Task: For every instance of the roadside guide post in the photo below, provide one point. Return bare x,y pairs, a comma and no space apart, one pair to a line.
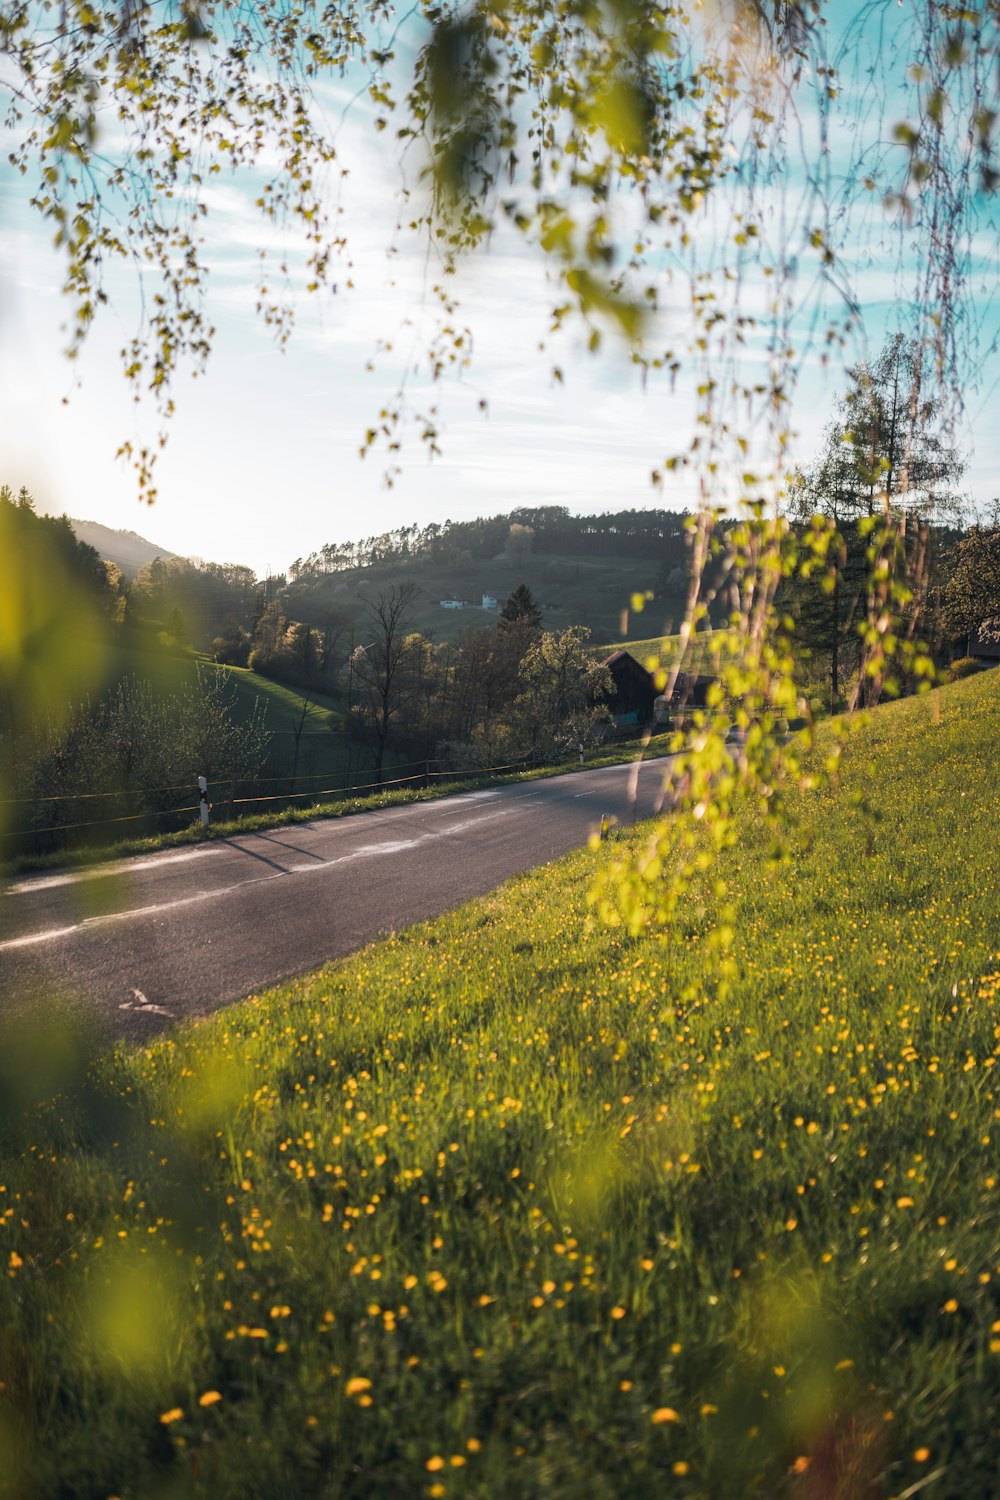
203,800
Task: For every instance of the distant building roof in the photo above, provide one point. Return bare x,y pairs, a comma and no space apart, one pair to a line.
985,640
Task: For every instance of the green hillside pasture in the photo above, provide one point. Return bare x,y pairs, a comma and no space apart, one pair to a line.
323,751
576,590
172,673
513,1205
665,651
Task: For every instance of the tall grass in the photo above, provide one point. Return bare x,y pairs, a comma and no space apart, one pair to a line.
513,1205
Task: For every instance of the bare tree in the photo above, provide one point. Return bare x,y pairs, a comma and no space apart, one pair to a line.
385,669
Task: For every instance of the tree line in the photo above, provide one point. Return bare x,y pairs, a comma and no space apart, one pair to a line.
658,534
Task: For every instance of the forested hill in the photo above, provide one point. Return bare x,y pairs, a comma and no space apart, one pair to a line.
581,569
126,549
547,530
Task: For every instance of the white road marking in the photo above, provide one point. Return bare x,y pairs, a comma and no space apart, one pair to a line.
365,851
391,846
39,937
96,872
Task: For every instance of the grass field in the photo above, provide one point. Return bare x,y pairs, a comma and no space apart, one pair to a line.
171,673
492,1210
664,651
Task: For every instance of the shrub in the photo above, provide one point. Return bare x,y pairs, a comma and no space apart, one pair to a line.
965,666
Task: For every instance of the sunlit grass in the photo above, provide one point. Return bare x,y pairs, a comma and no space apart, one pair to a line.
491,1210
665,651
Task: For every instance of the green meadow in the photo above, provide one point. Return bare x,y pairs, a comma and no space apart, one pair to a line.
665,651
322,747
513,1204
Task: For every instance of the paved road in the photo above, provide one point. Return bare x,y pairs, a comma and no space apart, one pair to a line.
149,940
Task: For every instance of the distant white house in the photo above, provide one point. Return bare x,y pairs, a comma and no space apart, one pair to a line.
489,602
452,603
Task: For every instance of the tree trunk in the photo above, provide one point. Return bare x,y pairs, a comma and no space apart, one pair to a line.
835,652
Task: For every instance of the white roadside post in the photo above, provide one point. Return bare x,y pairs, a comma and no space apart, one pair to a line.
203,804
581,752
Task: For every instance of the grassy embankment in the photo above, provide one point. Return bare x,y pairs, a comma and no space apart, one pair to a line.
373,799
490,1210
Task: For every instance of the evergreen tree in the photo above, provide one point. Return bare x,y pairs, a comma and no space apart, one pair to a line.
520,611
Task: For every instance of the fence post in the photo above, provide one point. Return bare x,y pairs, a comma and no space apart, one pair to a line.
203,800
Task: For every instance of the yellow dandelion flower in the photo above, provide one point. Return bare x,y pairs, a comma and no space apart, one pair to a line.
356,1385
173,1415
209,1398
434,1464
922,1455
664,1414
617,1313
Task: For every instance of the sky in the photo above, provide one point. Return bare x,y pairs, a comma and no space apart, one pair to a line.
263,463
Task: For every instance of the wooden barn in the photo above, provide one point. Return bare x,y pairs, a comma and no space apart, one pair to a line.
633,690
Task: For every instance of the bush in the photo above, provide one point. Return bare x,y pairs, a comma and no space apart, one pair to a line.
965,666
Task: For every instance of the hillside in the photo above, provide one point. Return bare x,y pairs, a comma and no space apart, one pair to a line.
664,650
512,1204
323,751
572,590
582,569
127,549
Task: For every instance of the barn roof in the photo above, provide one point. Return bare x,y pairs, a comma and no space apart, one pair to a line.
623,658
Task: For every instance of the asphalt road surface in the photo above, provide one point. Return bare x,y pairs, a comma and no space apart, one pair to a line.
147,941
